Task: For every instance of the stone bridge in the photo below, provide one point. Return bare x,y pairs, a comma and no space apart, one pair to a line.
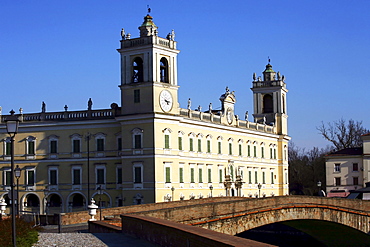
236,216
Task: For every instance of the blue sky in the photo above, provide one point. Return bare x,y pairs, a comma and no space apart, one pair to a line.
64,52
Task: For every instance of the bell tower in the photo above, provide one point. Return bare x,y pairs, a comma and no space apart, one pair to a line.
148,71
269,97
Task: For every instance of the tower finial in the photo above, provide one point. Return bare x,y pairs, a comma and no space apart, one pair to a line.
148,9
269,60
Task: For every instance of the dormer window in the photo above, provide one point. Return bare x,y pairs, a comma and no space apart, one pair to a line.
164,70
137,70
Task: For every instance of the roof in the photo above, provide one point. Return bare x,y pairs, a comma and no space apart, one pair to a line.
347,151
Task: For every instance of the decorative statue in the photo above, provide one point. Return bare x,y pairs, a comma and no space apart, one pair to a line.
210,108
237,117
123,34
128,36
278,75
199,108
227,90
189,103
264,120
173,35
89,104
246,116
254,77
43,107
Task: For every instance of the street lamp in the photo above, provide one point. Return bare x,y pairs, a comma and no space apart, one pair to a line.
319,186
100,192
173,192
17,172
211,188
259,189
12,129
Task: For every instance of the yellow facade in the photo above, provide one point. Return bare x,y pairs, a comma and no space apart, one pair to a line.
149,149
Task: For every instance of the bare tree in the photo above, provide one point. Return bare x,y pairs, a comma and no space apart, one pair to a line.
343,134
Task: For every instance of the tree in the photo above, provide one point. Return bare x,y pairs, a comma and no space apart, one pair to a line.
343,134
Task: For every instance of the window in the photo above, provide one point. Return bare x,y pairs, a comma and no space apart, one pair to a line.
119,174
76,176
180,143
336,167
275,153
53,146
137,70
7,177
355,180
164,70
30,177
230,149
137,96
208,146
250,177
271,153
181,174
255,151
168,174
199,145
137,141
355,167
209,175
53,176
119,143
262,152
100,175
191,145
76,146
337,181
166,141
137,138
240,149
220,177
249,150
31,145
191,174
219,148
100,144
8,147
263,177
272,177
200,175
138,173
255,177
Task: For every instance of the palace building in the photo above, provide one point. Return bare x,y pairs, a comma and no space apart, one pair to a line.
149,149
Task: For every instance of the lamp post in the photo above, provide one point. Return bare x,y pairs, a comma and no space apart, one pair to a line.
17,173
211,189
12,129
173,192
259,189
100,192
319,186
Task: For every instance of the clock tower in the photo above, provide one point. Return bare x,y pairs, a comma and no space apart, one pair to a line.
148,71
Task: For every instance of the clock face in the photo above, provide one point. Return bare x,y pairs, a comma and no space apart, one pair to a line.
229,115
166,100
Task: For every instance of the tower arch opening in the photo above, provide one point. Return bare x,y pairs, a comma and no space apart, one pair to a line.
164,70
137,70
268,103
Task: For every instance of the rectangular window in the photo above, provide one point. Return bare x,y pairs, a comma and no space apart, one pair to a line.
270,153
77,176
249,150
200,175
168,174
137,175
137,144
76,146
191,144
31,147
137,96
166,141
230,149
262,152
7,178
263,177
336,167
254,151
119,144
53,180
53,147
181,174
355,180
272,177
8,148
240,149
208,146
337,181
250,176
191,175
100,176
255,177
100,145
355,167
275,154
119,175
219,147
30,177
199,145
180,143
220,175
209,175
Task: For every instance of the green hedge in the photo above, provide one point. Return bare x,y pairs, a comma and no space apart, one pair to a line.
27,235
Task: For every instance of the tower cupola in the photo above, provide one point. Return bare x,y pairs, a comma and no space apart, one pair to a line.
269,74
148,28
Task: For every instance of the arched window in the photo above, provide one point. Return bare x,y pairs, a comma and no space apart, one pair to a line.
137,70
164,70
267,104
